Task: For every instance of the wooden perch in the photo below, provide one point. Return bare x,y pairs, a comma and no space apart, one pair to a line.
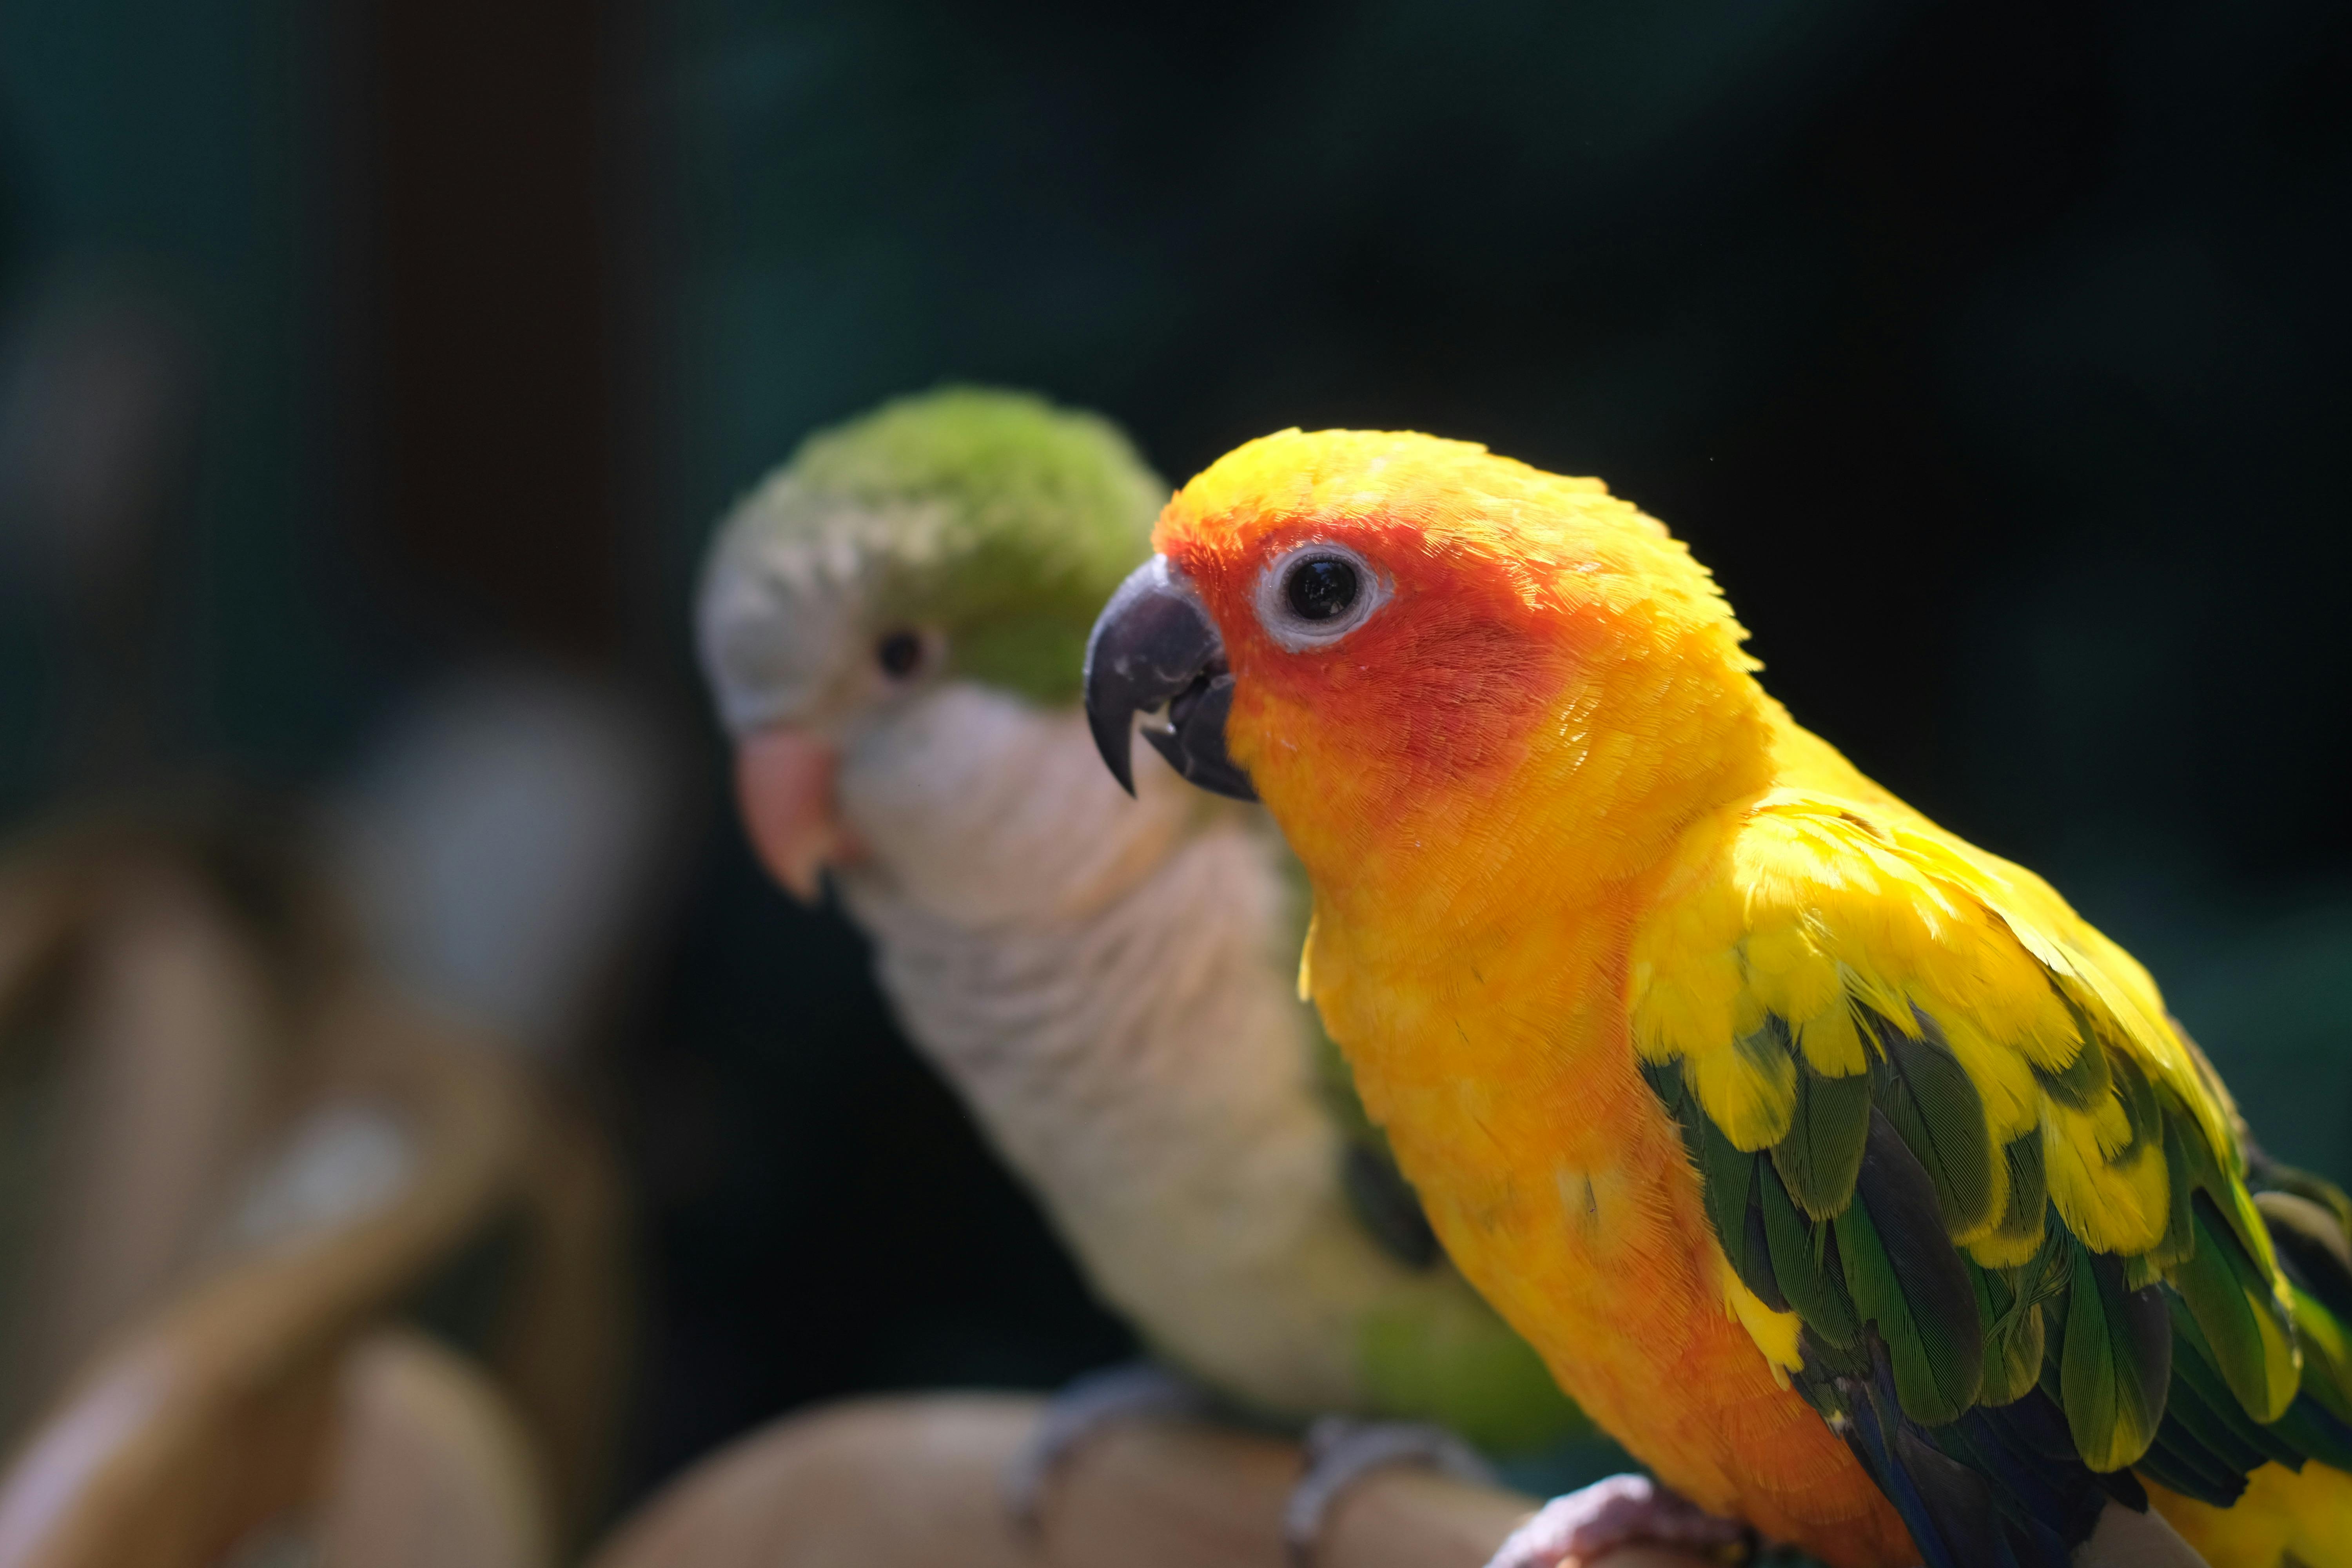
882,1483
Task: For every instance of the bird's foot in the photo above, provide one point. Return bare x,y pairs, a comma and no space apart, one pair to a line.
1620,1511
1077,1413
1341,1451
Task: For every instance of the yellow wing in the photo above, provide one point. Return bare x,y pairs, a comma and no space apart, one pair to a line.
1955,1150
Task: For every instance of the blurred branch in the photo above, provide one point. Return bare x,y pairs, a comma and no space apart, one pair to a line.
432,1469
561,1345
211,1419
884,1482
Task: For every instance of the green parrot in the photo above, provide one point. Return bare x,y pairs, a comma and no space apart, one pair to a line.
893,625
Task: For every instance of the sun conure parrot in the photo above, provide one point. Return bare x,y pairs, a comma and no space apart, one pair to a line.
892,623
1836,1167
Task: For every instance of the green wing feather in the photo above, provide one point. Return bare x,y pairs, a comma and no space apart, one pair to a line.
1909,1282
1822,1154
2003,1169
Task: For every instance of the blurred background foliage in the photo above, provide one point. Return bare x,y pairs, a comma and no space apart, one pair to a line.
1993,355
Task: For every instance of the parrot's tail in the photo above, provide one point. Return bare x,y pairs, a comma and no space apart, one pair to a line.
2288,1516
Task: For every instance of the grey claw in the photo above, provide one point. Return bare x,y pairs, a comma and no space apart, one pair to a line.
1079,1410
1341,1451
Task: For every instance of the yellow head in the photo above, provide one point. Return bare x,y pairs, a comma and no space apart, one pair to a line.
1445,666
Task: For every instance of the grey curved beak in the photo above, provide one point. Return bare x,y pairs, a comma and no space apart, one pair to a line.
1155,644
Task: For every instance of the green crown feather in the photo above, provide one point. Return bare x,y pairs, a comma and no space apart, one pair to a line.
992,515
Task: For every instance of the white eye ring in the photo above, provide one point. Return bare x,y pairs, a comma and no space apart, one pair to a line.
1277,608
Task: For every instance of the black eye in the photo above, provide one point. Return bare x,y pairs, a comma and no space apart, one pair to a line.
1321,587
898,654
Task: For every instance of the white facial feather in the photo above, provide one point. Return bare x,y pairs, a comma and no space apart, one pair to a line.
986,810
780,617
1108,983
773,643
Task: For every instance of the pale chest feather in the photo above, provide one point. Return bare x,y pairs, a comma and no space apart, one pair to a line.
1107,984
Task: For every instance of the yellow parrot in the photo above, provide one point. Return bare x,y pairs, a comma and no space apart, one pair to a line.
1837,1168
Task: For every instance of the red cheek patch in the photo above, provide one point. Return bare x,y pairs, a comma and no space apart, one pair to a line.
1442,683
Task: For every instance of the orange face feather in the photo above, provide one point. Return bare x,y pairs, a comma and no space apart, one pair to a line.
1521,605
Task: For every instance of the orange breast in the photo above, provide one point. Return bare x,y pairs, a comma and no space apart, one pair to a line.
1561,1189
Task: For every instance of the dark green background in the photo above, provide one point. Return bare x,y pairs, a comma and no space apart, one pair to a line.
1994,354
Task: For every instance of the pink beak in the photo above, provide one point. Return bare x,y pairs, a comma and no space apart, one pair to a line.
784,788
